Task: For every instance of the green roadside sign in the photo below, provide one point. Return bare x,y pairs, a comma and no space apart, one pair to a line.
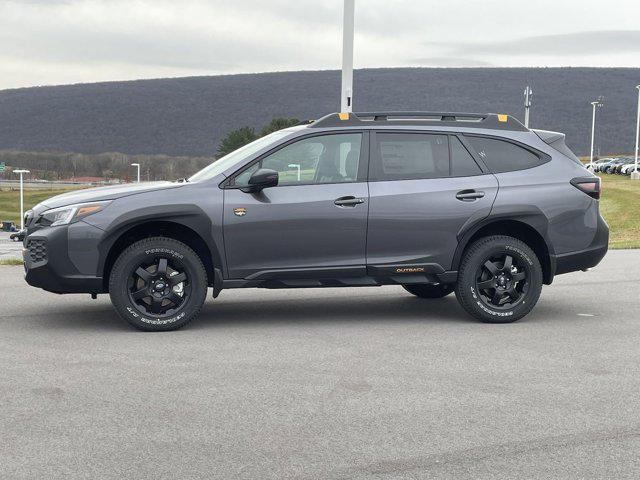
2,165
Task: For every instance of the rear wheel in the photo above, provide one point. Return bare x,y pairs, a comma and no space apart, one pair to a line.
439,290
500,279
158,284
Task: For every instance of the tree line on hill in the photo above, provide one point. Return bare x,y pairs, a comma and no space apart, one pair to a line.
117,166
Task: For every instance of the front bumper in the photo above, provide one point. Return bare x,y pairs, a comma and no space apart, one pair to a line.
50,264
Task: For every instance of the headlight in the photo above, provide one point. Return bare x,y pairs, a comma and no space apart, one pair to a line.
70,214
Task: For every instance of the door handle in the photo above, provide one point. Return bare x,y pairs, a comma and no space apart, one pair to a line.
349,201
469,195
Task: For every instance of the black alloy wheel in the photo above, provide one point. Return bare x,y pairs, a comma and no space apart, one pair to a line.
502,281
159,288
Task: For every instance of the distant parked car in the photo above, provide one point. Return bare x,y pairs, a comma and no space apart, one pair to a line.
610,166
617,167
597,164
628,168
18,236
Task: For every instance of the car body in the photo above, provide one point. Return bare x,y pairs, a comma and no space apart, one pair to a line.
408,198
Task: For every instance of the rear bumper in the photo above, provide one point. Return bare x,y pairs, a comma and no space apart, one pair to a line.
583,259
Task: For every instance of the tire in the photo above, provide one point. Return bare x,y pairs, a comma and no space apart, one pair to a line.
439,290
511,287
158,284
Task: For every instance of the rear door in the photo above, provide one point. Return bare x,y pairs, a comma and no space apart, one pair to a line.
423,188
313,223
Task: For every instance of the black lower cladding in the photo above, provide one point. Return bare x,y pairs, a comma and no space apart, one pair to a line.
350,276
47,264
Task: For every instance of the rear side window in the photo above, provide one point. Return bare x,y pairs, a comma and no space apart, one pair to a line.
501,156
462,163
408,156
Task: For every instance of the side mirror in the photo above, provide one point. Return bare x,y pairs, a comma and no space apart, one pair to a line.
262,178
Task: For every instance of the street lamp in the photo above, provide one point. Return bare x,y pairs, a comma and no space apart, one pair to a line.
346,103
528,97
598,103
295,165
636,175
138,166
21,172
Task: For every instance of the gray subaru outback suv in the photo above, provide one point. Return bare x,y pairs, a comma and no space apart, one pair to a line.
435,202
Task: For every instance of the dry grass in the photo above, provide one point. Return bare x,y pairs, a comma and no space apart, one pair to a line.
620,207
10,201
10,261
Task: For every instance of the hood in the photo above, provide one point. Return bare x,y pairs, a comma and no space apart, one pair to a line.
105,193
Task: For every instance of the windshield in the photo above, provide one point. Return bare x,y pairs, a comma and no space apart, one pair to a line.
229,160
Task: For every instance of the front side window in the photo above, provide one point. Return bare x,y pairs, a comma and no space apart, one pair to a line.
314,160
408,156
239,155
501,156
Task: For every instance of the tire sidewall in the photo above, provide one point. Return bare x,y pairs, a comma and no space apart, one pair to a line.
145,251
469,296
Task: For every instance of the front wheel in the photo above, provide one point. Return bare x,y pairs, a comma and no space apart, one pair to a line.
158,284
499,280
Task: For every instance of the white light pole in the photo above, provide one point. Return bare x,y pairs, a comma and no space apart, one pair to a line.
346,104
138,166
295,165
598,103
21,172
636,175
528,97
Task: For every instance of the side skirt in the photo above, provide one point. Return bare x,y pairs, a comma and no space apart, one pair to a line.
355,276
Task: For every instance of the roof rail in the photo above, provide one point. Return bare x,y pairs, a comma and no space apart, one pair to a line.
446,119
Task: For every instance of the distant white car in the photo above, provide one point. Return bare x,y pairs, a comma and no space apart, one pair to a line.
628,168
597,164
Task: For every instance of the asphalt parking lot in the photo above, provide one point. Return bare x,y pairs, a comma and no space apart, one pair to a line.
323,384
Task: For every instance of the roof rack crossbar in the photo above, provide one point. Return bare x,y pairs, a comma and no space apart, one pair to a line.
442,115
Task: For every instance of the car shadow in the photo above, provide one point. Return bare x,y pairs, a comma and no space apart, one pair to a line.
230,309
340,309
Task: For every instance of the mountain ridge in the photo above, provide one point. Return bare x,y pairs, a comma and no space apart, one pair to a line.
190,115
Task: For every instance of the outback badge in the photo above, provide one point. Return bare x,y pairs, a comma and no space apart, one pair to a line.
409,269
240,211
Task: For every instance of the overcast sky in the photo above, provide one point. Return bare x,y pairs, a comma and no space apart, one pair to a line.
46,42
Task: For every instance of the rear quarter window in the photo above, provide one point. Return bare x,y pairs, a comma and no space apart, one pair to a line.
501,156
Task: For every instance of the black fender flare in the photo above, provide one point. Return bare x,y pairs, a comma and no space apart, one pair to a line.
528,215
187,215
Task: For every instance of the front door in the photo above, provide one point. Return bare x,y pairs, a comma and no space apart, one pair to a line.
424,188
314,221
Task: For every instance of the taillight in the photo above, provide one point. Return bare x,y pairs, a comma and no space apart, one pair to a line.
588,185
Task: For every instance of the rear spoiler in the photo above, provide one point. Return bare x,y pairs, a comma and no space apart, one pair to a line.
556,140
